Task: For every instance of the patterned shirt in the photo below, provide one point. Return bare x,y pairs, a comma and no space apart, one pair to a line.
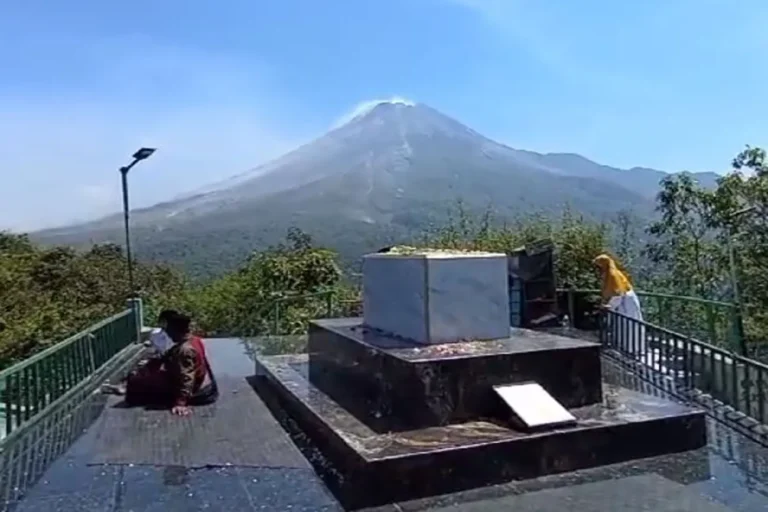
186,367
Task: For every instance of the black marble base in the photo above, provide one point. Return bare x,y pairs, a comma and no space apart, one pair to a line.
383,468
401,385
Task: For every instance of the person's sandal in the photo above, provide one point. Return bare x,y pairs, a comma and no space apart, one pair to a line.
113,389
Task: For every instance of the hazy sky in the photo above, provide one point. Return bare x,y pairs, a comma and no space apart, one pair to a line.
222,86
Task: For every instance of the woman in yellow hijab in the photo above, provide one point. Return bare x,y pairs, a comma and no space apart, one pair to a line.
619,296
617,290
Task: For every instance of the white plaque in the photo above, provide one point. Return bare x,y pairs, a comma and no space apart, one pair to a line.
533,406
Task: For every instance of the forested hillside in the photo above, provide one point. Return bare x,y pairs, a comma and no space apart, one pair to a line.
49,293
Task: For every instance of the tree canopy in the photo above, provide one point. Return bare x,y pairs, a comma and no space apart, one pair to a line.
690,244
49,294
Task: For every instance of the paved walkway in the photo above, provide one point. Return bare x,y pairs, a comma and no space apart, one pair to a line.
731,474
285,481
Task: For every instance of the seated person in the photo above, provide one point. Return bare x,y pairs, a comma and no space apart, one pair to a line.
158,340
179,378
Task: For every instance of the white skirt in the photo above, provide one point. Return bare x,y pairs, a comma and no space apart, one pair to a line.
629,338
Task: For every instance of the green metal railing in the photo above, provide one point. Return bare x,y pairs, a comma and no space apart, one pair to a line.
706,320
291,313
28,388
696,368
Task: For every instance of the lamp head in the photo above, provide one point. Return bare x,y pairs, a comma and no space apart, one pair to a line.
143,153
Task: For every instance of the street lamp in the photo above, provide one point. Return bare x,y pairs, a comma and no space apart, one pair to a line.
734,278
138,156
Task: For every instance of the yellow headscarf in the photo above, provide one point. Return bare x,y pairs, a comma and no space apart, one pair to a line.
615,282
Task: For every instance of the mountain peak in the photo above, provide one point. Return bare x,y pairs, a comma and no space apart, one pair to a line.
389,106
401,118
386,172
369,107
395,102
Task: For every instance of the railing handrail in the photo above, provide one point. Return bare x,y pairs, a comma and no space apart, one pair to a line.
716,332
687,298
60,345
41,414
309,295
646,323
33,386
640,293
695,341
716,378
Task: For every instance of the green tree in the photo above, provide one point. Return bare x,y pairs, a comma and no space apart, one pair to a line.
691,238
577,241
271,287
50,294
685,248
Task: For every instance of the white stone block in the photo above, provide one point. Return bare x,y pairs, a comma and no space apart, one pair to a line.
436,297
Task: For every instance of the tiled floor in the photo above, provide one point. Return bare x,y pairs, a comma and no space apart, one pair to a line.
731,474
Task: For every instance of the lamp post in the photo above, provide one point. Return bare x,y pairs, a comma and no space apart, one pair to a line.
734,276
138,156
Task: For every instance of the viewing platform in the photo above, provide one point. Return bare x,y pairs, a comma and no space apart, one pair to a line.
68,447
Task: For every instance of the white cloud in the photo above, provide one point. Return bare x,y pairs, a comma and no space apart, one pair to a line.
366,106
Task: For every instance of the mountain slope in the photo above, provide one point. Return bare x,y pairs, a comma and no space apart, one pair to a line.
639,179
381,177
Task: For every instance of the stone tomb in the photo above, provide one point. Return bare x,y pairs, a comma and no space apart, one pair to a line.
437,297
403,385
401,418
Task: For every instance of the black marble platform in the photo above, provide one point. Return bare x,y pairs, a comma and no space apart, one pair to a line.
402,385
380,468
731,471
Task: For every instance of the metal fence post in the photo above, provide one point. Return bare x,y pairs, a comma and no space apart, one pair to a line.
687,363
137,307
602,322
737,326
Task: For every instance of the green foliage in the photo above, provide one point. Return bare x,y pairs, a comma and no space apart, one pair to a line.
692,237
577,241
244,302
49,294
60,291
685,247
